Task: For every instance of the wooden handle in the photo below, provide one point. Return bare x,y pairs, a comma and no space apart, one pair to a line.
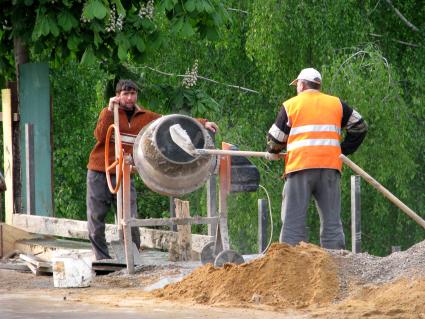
234,153
383,190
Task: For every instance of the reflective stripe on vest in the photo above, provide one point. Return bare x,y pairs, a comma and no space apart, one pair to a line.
314,128
314,138
312,142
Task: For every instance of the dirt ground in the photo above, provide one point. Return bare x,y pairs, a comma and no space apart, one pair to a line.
304,281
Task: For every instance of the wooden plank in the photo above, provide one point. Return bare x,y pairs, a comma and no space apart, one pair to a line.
195,220
13,266
46,247
106,267
53,226
36,261
69,228
8,153
11,235
39,271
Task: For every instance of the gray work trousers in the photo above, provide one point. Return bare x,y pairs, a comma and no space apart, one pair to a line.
99,200
324,185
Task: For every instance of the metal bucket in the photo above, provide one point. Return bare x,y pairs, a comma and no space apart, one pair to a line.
163,166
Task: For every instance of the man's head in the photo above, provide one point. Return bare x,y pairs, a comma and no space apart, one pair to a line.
308,79
126,91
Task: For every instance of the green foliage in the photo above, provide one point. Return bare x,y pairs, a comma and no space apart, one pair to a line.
76,105
286,36
355,77
179,99
93,31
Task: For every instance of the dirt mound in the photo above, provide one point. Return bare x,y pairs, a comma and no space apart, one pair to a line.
286,277
400,299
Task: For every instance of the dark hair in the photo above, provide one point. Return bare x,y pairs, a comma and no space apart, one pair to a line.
312,85
125,85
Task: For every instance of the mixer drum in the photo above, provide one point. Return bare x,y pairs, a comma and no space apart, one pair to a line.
163,166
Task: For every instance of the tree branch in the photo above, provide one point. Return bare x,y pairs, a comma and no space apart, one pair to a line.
397,41
238,10
401,16
203,78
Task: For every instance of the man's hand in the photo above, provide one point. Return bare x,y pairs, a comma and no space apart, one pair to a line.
112,101
272,156
211,126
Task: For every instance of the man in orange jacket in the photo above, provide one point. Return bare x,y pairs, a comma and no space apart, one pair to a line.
132,118
309,127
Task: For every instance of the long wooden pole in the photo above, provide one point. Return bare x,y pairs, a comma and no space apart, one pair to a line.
383,190
204,151
8,154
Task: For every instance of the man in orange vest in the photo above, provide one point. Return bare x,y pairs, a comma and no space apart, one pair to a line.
309,127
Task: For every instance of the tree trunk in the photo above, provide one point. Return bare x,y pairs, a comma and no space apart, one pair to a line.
20,52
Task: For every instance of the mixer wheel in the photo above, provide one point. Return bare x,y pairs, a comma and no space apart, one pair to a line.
118,162
207,254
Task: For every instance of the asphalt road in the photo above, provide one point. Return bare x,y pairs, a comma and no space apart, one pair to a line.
26,306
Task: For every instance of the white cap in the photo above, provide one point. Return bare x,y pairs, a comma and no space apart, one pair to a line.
308,74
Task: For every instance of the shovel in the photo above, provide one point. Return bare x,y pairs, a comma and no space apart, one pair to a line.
183,140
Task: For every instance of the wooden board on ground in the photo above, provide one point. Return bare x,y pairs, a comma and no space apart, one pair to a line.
45,247
37,265
9,235
69,228
102,267
12,265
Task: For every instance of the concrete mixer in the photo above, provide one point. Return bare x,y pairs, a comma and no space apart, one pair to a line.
167,169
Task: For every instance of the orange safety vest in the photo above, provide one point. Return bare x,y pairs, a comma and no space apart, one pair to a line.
314,138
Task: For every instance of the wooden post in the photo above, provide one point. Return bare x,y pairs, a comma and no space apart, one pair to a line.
8,154
262,225
383,190
29,168
184,232
212,203
172,212
356,233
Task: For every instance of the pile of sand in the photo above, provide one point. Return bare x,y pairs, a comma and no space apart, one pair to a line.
286,277
401,299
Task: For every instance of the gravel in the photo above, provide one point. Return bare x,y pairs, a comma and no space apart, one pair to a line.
366,269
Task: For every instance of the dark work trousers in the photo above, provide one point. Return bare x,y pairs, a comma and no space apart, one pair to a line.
325,186
99,200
